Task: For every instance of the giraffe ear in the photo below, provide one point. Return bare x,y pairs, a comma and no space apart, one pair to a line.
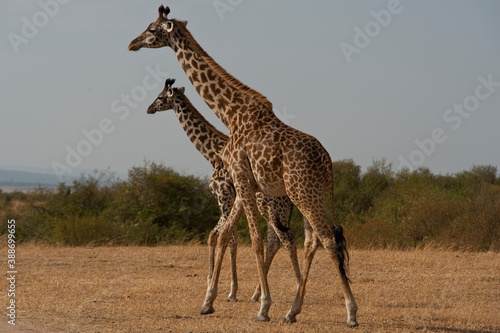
170,26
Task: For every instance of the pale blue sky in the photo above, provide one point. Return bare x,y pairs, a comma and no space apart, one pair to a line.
73,74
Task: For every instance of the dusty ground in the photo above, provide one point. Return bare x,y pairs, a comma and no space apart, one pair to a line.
139,289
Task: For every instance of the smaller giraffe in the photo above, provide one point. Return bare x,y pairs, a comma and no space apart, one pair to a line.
210,142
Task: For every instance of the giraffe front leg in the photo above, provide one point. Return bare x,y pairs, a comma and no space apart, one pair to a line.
212,243
233,249
222,243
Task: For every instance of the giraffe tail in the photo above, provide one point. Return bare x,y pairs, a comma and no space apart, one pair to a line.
340,243
342,254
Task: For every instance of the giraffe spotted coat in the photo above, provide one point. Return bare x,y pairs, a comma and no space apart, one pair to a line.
262,155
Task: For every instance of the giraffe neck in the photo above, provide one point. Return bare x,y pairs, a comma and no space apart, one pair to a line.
204,136
225,95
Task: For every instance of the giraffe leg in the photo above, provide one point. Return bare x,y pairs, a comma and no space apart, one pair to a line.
311,244
273,245
246,193
317,219
350,303
221,186
290,245
233,248
277,211
254,226
212,242
222,243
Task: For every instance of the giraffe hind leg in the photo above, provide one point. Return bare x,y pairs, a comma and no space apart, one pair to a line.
265,300
319,223
313,210
278,212
272,247
311,244
249,201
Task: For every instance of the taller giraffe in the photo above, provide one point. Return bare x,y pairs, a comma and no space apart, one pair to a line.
262,155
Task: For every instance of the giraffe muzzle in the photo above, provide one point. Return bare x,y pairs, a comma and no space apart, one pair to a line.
151,110
134,45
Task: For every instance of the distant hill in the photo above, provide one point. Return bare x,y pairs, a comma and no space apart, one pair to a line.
12,176
12,180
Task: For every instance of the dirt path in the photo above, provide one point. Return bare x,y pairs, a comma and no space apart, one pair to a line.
138,289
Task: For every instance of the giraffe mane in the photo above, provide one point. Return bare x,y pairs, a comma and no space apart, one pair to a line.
205,121
237,84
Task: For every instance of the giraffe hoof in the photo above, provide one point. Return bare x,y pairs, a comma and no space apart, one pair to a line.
352,324
208,310
262,318
254,299
232,299
289,320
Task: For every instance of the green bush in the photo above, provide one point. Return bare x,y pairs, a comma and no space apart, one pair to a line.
414,209
182,207
156,205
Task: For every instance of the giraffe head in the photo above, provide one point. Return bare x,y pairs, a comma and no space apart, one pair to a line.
159,33
168,98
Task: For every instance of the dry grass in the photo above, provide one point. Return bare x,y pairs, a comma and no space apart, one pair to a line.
161,289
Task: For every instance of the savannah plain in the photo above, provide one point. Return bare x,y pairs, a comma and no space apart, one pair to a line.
161,289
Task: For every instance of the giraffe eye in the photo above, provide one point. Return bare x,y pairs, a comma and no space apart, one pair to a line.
170,92
152,28
170,26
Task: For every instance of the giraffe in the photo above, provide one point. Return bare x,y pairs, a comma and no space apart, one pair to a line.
210,142
262,155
